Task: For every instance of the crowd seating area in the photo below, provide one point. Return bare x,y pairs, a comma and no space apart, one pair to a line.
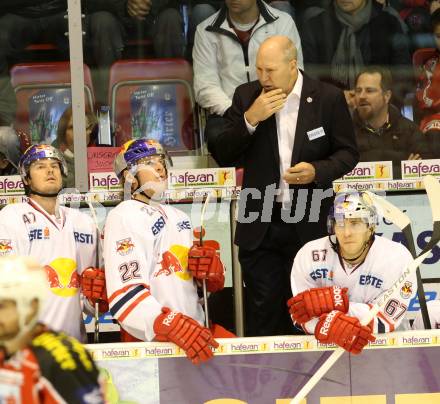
148,86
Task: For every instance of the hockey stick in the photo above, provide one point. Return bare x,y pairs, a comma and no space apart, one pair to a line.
403,222
432,187
205,291
98,231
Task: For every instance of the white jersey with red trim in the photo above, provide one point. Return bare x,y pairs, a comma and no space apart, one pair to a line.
65,245
146,259
434,316
318,265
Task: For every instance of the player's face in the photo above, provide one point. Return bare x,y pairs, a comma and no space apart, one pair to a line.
370,99
437,36
275,71
9,325
151,170
352,234
45,176
350,6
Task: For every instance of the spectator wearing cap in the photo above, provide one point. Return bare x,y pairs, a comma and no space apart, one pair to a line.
382,133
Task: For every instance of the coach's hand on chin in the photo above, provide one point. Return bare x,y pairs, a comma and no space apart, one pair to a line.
265,105
300,174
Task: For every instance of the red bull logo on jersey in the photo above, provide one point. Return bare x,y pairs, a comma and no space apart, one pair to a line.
62,276
174,261
125,246
5,247
406,290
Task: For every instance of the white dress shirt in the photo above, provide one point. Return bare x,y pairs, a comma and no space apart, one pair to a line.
286,119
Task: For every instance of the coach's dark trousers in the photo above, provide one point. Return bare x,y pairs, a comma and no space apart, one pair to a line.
266,274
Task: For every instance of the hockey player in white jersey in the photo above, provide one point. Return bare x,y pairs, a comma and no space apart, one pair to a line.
151,292
61,239
336,279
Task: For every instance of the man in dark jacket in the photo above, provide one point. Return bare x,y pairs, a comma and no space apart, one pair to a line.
382,133
293,136
348,35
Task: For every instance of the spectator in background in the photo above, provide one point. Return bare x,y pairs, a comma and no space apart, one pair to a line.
305,9
161,21
382,133
24,22
225,50
203,9
348,35
283,5
430,126
428,83
64,141
389,8
415,14
9,150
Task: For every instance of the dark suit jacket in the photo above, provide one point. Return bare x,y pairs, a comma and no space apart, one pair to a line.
332,155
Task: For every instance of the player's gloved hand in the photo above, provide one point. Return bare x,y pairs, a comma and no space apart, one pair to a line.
204,263
196,340
345,331
93,287
316,301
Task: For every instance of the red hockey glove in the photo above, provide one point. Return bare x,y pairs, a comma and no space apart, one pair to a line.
93,287
345,331
314,302
204,263
196,340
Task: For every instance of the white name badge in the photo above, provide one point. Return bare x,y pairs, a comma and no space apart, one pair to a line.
316,133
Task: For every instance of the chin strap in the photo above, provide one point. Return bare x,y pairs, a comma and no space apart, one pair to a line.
336,248
44,195
146,185
366,245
